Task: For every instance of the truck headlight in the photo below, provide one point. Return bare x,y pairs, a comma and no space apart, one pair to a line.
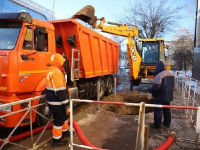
6,108
3,119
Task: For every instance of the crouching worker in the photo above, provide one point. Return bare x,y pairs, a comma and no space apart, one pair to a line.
57,98
162,89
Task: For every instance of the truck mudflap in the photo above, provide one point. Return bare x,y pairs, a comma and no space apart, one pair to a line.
73,93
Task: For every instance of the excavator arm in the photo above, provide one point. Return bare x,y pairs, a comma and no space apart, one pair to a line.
86,14
129,33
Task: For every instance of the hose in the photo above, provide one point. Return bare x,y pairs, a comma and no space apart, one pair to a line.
28,133
77,129
81,136
167,143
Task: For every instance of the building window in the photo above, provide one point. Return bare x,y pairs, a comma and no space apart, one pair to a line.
7,9
1,7
15,7
7,3
9,6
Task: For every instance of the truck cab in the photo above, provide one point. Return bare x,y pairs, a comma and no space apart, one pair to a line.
25,53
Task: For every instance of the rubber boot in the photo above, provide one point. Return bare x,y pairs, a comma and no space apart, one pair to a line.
59,143
65,134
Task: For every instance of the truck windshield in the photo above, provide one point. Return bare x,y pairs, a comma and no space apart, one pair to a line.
9,32
150,52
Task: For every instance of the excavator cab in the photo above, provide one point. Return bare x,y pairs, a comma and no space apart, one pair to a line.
151,51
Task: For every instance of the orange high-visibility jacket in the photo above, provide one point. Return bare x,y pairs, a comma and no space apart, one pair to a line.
56,85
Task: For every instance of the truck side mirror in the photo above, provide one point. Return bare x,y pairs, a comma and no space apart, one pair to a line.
40,30
40,38
71,40
59,41
40,43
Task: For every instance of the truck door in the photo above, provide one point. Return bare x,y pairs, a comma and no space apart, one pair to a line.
32,64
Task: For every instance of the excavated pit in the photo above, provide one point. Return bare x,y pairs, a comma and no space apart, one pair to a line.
128,98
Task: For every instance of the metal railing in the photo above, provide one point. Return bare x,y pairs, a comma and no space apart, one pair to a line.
30,109
189,88
142,131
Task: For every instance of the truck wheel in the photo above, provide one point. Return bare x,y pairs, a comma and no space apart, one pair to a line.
109,88
102,88
43,110
136,82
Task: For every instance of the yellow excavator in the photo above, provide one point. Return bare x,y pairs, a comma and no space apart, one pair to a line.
142,62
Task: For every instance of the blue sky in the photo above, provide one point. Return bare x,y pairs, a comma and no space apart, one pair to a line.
65,8
108,8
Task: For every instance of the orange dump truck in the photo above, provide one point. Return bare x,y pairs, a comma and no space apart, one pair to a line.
26,45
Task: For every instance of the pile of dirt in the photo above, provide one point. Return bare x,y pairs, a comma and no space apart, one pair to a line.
127,97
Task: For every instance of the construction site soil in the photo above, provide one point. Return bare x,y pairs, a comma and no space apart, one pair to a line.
114,127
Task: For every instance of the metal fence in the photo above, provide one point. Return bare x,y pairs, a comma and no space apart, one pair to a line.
189,88
28,111
142,131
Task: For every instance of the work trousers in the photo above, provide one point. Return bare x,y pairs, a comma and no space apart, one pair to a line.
60,124
158,115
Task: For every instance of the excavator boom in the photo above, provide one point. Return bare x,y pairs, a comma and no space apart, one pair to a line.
137,70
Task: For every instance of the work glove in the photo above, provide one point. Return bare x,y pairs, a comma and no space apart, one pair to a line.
68,111
150,96
68,92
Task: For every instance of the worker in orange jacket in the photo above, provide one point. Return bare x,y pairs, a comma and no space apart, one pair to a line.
58,100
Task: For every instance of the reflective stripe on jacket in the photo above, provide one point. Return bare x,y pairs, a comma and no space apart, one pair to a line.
163,84
56,86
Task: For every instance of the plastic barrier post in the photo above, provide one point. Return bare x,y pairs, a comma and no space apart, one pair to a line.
198,121
146,137
71,124
140,131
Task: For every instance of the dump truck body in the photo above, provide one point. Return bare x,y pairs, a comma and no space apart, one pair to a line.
98,54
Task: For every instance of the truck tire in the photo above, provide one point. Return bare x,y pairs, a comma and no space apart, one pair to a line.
44,110
102,88
109,88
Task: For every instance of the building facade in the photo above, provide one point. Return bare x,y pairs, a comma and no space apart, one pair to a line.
36,10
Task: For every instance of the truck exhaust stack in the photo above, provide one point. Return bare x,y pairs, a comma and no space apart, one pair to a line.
86,14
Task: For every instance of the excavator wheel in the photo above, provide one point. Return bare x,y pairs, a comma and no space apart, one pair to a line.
136,82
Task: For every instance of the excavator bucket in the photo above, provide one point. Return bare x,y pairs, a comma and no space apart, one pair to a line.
86,14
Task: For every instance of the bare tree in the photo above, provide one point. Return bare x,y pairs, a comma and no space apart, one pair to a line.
183,49
153,18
